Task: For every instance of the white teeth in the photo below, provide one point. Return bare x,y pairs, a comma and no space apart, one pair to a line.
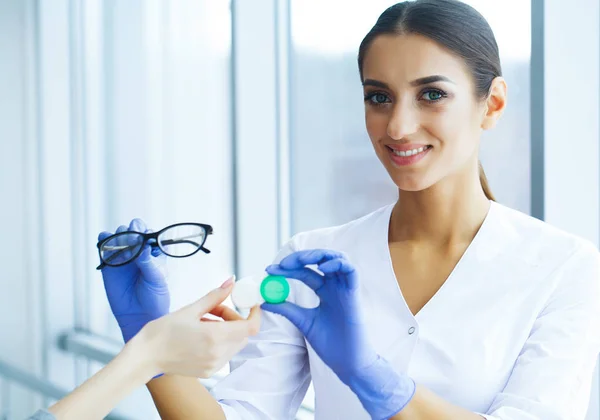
409,152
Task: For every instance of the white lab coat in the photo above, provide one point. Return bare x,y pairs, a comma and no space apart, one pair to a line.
514,332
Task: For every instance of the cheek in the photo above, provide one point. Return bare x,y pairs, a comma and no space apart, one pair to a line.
376,124
446,120
456,129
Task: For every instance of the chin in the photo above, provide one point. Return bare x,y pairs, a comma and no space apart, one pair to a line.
411,183
411,186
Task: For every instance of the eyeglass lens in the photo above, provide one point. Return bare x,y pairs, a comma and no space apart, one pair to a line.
182,240
122,248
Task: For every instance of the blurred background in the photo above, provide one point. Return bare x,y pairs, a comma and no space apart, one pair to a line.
245,115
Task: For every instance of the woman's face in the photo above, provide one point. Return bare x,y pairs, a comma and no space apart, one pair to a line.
420,109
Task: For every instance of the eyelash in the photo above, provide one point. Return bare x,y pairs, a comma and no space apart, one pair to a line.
369,97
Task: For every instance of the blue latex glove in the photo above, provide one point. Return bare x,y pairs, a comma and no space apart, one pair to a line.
138,291
336,330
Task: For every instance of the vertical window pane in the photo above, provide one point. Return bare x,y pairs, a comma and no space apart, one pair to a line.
163,81
158,130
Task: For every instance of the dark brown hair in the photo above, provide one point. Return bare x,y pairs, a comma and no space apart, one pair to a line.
454,25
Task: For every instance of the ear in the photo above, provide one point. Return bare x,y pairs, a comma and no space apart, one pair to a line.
495,103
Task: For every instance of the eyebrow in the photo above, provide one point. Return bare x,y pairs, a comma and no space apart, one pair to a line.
417,82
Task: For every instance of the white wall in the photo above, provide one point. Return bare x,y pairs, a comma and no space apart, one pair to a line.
571,159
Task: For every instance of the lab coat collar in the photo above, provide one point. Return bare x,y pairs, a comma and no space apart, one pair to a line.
378,281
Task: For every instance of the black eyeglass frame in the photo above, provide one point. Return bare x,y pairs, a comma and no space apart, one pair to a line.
154,244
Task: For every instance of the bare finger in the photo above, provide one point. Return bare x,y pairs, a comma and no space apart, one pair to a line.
226,313
254,320
244,328
203,319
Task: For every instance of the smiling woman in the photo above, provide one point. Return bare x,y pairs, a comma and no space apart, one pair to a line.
324,66
490,312
422,104
345,176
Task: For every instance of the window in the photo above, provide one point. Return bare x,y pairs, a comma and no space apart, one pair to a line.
159,95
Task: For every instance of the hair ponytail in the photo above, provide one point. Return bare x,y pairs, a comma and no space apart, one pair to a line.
484,183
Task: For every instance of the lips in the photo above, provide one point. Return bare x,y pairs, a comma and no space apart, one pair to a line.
408,154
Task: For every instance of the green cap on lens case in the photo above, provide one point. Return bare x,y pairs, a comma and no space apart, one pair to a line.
254,290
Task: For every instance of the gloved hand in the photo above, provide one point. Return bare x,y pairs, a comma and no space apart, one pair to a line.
138,291
336,330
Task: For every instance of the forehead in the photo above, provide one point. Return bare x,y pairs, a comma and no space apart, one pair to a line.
399,59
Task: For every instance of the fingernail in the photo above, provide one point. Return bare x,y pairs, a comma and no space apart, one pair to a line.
228,283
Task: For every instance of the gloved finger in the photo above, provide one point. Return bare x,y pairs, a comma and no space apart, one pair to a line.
145,258
133,240
121,240
137,225
134,244
156,251
150,267
302,258
302,318
103,235
342,269
306,275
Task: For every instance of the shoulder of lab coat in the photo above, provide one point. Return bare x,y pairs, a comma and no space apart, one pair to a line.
552,376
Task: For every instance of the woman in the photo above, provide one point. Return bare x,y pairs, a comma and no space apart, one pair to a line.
176,344
443,305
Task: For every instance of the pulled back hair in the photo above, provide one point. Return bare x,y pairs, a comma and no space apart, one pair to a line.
454,25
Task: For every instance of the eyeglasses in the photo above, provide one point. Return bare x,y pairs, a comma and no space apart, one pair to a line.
178,241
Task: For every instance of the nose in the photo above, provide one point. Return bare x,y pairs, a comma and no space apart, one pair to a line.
403,121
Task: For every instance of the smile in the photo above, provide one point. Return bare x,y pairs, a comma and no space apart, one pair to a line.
408,157
410,152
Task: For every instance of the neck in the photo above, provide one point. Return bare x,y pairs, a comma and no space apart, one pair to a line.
448,212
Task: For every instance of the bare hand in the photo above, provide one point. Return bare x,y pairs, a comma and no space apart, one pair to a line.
185,343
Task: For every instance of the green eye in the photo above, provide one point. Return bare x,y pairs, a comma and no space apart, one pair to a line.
433,95
377,98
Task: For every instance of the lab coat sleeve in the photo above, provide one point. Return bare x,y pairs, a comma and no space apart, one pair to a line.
269,378
552,377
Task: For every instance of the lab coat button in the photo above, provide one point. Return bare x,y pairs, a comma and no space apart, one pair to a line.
411,330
